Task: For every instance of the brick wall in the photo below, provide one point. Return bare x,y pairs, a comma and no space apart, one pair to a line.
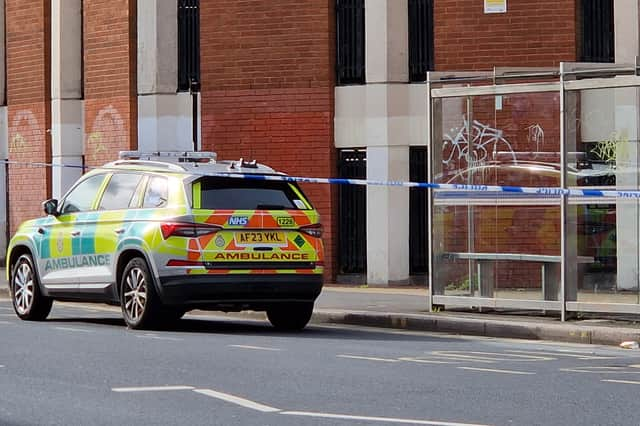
267,90
110,85
29,111
531,33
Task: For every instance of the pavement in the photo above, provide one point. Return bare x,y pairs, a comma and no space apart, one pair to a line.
405,308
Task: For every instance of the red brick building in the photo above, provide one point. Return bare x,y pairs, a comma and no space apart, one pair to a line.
309,87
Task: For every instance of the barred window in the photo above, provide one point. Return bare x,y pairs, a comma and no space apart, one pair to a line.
350,41
596,19
420,39
188,44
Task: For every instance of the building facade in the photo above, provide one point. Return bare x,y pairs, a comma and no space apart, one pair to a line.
318,88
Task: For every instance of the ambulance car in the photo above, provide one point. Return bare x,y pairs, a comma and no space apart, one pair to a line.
164,233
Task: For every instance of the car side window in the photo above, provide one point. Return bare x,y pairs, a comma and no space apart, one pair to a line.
82,196
157,193
119,191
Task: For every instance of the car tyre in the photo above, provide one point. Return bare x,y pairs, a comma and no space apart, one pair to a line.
138,298
28,301
290,316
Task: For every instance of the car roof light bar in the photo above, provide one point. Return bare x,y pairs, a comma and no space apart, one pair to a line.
170,156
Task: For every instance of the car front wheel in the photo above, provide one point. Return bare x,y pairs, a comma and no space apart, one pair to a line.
290,316
28,302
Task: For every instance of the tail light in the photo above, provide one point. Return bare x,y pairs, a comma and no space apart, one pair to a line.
189,230
314,230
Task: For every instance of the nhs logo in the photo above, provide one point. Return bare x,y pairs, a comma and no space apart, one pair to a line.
238,220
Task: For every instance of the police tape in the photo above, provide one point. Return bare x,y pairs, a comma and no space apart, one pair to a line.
538,191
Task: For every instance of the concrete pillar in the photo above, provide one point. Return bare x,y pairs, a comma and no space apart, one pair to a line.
67,127
387,216
164,116
387,140
627,47
386,41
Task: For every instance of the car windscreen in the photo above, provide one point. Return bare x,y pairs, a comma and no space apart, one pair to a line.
218,193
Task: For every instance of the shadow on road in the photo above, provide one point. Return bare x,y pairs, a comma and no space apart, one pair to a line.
235,326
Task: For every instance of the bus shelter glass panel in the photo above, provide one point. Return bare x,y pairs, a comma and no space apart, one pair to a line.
603,233
489,243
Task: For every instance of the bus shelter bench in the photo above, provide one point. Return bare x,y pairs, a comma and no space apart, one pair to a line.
550,269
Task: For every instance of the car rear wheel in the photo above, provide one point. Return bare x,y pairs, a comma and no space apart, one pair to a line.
28,302
138,298
290,316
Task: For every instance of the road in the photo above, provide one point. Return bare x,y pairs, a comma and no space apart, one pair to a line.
83,367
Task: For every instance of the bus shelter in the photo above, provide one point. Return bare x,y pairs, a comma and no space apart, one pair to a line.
574,127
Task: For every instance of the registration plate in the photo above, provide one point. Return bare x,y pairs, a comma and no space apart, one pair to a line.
260,238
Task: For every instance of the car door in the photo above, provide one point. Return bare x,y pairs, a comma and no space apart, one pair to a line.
115,214
60,251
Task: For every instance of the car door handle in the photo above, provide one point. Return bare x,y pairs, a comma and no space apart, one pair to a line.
119,231
75,233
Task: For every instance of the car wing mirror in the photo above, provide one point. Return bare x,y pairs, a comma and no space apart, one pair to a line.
51,207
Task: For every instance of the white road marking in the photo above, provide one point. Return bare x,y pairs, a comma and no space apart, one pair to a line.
563,353
246,403
257,348
376,419
237,400
427,361
153,336
627,382
491,370
7,315
601,370
79,330
367,358
5,322
153,389
1,366
490,356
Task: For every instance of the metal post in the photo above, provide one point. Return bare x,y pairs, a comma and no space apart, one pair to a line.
563,204
470,159
430,159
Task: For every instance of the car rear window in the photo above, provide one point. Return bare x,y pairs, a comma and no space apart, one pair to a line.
249,194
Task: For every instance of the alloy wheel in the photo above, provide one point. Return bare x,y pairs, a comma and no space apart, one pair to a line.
135,295
23,288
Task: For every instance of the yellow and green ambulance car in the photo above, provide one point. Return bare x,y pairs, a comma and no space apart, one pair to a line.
164,233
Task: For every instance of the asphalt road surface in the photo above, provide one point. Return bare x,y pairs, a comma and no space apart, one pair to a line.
83,367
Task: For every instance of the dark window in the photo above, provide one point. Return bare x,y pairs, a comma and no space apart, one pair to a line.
418,226
119,191
596,18
350,41
420,39
81,197
157,193
241,194
353,213
188,44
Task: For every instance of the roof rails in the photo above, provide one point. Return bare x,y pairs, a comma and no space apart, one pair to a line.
170,156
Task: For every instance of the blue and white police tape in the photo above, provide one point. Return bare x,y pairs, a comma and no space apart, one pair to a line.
539,191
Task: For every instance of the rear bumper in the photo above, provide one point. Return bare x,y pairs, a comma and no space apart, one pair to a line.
238,292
